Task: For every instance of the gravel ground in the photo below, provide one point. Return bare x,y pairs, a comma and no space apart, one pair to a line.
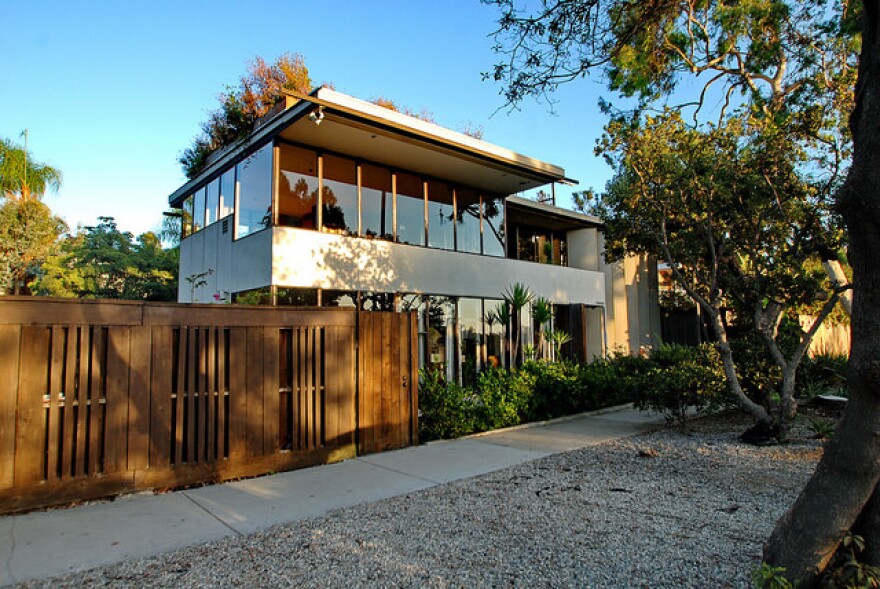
657,510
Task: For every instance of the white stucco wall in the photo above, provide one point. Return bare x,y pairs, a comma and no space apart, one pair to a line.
234,265
303,258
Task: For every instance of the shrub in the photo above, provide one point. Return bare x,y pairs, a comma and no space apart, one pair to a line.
557,389
504,398
822,374
446,409
681,377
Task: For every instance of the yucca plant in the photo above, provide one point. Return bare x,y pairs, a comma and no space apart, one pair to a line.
516,297
542,313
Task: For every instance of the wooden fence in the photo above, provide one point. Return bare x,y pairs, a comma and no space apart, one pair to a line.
100,397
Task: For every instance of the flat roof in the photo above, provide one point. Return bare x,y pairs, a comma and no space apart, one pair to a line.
372,133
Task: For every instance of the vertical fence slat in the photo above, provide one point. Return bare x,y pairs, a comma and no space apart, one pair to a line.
68,423
29,457
10,342
299,408
202,395
331,388
118,350
139,399
221,392
398,398
413,346
271,346
254,391
82,400
387,395
191,379
160,396
96,396
237,417
56,386
180,392
210,391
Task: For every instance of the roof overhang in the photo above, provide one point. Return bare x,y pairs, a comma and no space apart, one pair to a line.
369,132
537,214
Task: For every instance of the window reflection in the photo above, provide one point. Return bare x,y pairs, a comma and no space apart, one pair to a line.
187,220
254,176
467,204
212,201
298,188
340,202
493,226
417,303
338,298
494,332
199,210
377,202
410,210
441,334
227,193
470,326
441,216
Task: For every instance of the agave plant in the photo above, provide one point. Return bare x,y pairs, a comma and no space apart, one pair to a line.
542,313
517,296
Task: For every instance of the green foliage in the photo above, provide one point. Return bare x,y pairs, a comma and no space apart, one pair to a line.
505,397
823,374
822,428
558,389
681,378
446,409
23,178
770,577
846,569
28,232
103,262
241,106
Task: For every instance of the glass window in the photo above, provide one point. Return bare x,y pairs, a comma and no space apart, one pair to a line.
199,210
254,176
340,200
297,297
377,204
441,216
410,210
227,193
494,332
493,226
470,326
186,219
417,303
338,298
467,233
298,188
377,301
212,201
525,244
441,334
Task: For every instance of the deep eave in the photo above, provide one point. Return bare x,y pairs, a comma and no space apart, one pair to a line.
370,132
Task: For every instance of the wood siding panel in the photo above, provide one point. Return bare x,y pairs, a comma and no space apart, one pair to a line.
32,384
10,342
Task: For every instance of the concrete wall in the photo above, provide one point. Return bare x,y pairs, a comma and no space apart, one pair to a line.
303,258
632,305
234,265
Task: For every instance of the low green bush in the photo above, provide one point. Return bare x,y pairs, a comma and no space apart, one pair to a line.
446,409
505,397
682,378
822,374
557,389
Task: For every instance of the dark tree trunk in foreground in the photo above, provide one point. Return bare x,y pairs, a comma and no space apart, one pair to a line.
835,499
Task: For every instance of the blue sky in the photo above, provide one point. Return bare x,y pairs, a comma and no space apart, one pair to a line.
111,92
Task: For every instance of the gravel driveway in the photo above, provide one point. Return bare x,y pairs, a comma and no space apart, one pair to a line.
657,510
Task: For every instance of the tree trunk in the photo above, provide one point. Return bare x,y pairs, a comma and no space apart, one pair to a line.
835,274
807,536
729,365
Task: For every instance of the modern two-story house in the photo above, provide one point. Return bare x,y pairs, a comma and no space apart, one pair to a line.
337,201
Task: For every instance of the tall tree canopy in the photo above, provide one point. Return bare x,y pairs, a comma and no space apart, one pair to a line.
241,106
104,262
791,64
21,177
28,233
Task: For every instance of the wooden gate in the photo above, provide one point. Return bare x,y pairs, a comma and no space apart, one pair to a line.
388,381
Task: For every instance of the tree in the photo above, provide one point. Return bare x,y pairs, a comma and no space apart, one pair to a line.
103,262
242,106
21,177
750,45
842,495
28,232
727,210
